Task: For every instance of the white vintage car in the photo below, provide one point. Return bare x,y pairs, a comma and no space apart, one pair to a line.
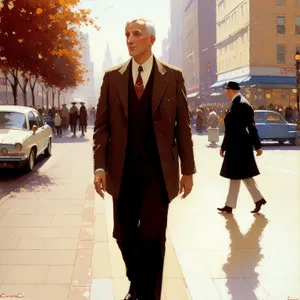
23,137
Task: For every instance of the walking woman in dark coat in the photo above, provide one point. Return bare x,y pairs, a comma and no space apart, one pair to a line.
237,149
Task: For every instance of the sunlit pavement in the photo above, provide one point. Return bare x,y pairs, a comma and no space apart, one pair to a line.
56,233
241,256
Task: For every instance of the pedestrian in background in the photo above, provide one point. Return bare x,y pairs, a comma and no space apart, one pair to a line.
142,127
73,118
58,124
65,117
83,117
237,149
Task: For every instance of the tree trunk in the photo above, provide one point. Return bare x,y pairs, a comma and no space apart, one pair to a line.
24,97
15,92
14,83
58,99
32,83
53,97
47,100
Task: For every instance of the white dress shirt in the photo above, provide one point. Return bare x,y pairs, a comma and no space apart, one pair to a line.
147,68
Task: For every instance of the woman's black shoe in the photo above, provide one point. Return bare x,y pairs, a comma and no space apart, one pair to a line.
258,205
226,209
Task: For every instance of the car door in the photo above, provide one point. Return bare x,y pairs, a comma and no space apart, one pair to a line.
276,125
36,138
41,126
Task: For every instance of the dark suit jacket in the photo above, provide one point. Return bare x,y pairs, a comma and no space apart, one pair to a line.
171,123
239,139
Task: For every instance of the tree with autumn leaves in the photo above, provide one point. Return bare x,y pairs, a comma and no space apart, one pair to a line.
40,41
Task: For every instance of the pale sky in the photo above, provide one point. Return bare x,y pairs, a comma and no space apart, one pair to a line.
112,16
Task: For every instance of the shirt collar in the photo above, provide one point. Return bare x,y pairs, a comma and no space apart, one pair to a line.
147,65
237,94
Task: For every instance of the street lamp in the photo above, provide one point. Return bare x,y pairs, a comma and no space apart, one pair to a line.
297,59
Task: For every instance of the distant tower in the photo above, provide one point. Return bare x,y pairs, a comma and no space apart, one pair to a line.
107,63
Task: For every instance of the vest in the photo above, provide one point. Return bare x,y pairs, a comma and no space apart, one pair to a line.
141,144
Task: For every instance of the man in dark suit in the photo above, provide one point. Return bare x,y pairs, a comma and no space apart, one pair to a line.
237,149
142,128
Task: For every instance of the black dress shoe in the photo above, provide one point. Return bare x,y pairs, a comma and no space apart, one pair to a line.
258,205
131,294
226,209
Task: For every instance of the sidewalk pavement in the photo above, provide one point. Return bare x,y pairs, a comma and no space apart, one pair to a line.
56,235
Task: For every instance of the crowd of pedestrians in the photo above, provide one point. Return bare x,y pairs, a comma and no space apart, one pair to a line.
201,115
73,118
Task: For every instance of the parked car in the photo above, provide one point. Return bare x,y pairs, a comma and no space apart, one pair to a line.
23,137
272,126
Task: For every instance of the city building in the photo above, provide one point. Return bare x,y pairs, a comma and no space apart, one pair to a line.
165,49
256,45
198,48
175,36
85,92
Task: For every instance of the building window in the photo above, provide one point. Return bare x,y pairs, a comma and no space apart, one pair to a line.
280,54
297,2
297,25
280,2
298,49
281,25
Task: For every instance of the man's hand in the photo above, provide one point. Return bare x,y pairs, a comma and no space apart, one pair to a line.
186,185
100,183
222,153
259,152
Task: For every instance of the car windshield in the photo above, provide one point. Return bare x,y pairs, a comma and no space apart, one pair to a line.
258,117
12,120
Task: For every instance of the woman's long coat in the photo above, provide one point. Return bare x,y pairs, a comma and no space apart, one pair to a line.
239,139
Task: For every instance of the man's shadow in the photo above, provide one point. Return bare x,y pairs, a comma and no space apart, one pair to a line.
245,254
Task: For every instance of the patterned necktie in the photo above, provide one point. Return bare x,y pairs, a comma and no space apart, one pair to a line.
139,85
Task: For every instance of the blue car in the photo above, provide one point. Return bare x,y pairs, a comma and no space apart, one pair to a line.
273,127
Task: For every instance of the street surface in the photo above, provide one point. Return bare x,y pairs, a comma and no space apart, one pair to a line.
56,232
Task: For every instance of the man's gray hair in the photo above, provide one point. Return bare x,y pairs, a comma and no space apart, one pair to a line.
149,25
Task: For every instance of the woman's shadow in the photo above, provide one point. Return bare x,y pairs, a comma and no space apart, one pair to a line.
245,255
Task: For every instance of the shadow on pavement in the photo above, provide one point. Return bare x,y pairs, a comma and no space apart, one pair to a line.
70,140
276,146
17,180
239,265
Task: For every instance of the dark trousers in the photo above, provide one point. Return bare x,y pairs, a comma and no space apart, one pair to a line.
83,129
73,129
140,221
58,130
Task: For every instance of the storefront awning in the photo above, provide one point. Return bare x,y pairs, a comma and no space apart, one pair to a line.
192,95
221,84
269,80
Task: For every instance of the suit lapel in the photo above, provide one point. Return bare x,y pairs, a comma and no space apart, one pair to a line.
159,85
122,85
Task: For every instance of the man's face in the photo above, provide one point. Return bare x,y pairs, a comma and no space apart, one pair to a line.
229,94
138,39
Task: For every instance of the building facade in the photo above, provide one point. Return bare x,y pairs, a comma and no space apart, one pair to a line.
256,45
198,47
175,36
190,47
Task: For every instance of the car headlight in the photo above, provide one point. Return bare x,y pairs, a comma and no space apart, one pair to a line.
18,147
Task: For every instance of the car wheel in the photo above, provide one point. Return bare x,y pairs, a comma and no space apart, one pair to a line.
48,150
31,161
281,142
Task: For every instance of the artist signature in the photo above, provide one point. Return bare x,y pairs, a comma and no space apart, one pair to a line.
17,296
